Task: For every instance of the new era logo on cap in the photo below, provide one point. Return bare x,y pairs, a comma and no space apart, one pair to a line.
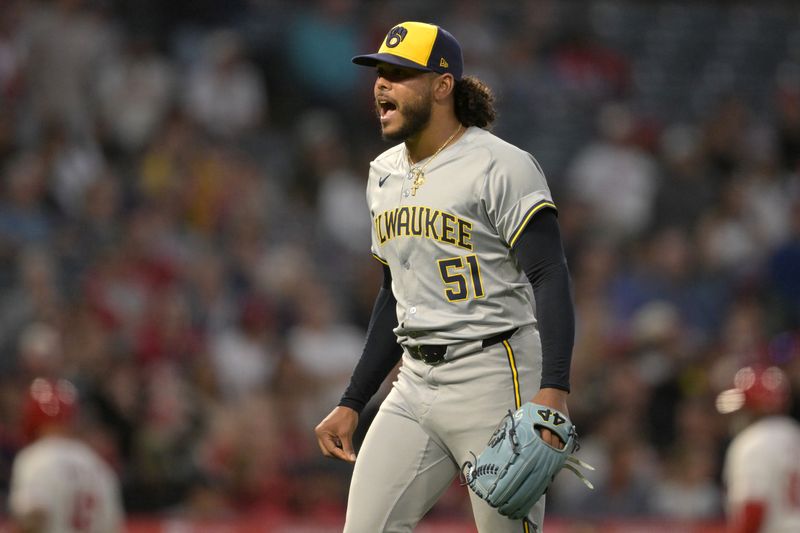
418,45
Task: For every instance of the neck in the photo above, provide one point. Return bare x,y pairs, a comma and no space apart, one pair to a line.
425,143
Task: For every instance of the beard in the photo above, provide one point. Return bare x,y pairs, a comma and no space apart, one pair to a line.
416,116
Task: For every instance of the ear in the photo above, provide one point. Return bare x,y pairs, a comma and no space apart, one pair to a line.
443,86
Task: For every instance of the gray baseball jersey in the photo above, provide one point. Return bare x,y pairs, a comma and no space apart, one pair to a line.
448,244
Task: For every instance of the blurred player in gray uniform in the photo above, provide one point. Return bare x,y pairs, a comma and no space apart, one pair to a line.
476,293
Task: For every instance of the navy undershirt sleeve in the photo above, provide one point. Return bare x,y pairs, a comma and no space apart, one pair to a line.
381,351
540,254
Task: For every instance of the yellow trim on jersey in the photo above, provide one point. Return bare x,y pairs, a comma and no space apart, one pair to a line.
381,260
416,46
515,376
525,527
536,209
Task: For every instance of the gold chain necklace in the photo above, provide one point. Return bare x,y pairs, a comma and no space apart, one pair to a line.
417,174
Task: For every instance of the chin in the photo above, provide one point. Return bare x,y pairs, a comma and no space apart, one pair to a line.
393,133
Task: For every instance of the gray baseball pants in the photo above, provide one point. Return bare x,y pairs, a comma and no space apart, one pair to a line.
429,424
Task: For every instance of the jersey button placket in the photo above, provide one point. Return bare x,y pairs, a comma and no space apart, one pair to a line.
405,186
410,282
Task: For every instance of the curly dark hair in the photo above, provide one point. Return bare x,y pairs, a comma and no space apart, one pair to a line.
474,102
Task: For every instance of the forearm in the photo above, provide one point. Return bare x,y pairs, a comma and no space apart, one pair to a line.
381,351
540,254
556,327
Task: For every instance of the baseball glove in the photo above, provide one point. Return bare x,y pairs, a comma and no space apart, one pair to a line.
517,466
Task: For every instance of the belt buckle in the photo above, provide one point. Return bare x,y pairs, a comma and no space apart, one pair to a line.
432,361
418,353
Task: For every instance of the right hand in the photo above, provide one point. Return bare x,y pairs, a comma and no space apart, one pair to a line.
335,434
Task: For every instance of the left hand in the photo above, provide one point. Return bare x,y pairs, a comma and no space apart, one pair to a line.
557,399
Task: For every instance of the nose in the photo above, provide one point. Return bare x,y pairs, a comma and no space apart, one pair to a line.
381,83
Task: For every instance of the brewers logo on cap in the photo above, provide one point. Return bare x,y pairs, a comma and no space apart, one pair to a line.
420,46
396,36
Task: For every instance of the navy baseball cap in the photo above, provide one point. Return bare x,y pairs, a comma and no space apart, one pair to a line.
420,46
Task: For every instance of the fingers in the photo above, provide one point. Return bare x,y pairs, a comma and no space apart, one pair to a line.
335,447
347,450
552,439
335,434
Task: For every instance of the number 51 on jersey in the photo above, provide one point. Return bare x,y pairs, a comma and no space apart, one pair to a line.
455,272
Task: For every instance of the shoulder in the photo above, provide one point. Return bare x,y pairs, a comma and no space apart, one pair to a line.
34,450
511,172
88,455
782,428
757,437
37,456
503,154
389,158
24,457
87,459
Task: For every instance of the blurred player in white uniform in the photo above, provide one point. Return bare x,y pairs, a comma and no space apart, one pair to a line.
762,464
58,483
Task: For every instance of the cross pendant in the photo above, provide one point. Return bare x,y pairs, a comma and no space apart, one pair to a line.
419,179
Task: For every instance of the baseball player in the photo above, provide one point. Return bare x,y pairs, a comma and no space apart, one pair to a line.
762,464
58,483
476,295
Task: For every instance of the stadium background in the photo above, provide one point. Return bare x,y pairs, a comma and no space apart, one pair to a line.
183,233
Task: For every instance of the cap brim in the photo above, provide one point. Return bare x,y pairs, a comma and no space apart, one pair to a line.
371,60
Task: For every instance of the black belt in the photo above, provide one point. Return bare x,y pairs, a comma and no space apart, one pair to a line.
433,354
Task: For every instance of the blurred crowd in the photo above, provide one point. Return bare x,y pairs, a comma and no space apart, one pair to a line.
184,234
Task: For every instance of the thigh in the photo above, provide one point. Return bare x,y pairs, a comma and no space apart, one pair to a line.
476,392
399,474
480,390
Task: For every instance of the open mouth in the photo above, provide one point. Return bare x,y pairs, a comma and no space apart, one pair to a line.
385,108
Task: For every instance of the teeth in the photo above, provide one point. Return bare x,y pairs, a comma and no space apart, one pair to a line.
385,106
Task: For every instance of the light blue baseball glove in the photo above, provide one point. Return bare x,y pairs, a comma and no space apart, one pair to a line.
517,466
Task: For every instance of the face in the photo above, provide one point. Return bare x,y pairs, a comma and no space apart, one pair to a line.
403,101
